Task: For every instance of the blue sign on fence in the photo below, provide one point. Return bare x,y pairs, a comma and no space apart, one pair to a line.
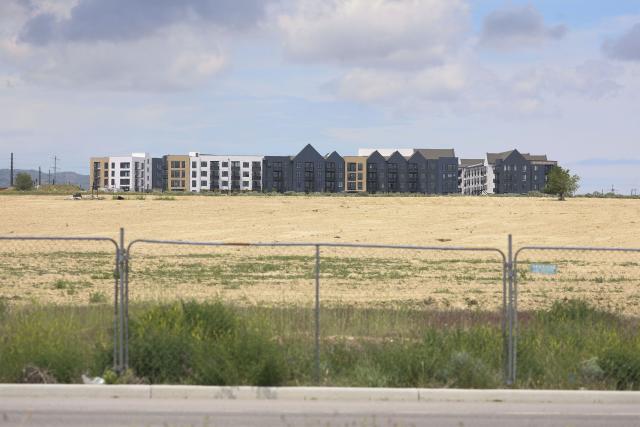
544,268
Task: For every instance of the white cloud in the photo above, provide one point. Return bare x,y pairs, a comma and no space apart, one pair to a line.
379,33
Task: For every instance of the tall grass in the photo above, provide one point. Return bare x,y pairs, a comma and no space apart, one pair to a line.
571,345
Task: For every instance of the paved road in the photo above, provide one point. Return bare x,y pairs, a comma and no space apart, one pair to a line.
213,413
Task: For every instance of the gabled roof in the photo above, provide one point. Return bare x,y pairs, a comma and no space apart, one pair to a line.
415,154
471,162
374,155
436,153
332,154
493,157
396,156
308,149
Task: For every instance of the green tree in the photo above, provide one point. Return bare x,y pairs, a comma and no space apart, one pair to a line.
24,182
561,182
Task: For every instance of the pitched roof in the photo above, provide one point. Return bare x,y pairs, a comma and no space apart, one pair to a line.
436,153
471,162
493,157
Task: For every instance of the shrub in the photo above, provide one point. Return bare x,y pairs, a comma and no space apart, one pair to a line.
202,343
622,366
24,182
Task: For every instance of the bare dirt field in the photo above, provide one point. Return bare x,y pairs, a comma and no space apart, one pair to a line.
83,273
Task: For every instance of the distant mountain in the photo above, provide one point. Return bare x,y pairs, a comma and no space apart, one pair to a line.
61,177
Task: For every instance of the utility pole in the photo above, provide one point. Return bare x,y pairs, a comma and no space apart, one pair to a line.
39,177
49,177
55,168
11,172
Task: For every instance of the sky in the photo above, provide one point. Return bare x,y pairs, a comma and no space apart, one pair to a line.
82,78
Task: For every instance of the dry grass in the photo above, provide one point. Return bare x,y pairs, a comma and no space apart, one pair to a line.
72,274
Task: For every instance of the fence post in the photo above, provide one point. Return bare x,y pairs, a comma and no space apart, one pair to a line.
125,301
121,274
317,317
511,340
117,276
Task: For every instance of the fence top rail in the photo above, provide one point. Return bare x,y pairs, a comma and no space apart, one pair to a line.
311,245
575,248
54,238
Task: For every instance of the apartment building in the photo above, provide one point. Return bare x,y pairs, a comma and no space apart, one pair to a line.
355,174
277,174
515,172
382,170
225,173
422,170
138,172
473,177
176,172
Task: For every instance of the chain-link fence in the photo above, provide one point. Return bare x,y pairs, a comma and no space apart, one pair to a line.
575,316
322,303
321,313
58,307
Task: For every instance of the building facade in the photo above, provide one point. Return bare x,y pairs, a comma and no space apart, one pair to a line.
514,172
420,170
473,177
355,174
224,173
124,173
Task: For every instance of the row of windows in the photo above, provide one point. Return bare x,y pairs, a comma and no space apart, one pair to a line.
234,164
194,184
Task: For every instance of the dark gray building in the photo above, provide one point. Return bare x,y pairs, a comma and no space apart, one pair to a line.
515,172
441,170
277,174
308,171
376,173
397,173
157,173
334,173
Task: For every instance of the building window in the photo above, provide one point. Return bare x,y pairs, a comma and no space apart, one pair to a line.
125,165
245,164
113,182
225,164
193,174
225,183
183,164
245,174
245,183
225,173
351,167
193,183
203,183
203,173
203,164
360,186
194,165
124,173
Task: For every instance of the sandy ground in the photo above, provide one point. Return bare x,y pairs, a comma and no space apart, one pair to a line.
398,220
29,271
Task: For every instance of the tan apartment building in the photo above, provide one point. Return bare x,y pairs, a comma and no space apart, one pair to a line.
355,174
99,173
177,173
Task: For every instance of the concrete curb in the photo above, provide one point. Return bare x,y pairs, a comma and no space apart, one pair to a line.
314,393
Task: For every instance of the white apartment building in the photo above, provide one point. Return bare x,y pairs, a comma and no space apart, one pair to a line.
473,177
225,173
122,173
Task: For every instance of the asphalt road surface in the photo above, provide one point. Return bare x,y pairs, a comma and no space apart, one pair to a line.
212,413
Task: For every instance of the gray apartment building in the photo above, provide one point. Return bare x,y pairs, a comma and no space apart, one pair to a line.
428,171
515,172
306,172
